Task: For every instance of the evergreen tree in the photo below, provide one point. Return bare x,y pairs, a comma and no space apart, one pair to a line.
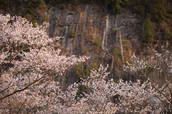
148,32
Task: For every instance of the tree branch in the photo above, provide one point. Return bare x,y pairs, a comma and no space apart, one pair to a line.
17,91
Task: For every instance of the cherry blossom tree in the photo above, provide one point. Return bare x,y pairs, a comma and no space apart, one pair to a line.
106,96
29,65
122,97
159,62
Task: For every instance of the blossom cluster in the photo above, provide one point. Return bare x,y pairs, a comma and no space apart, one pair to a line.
29,65
161,63
106,96
136,64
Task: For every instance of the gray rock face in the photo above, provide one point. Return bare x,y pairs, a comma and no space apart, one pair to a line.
93,25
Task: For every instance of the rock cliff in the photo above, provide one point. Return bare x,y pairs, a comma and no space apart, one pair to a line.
92,23
92,30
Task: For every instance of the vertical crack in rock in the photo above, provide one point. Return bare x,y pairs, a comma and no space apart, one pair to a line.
65,36
105,34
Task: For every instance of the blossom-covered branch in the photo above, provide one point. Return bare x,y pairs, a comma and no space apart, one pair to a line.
29,63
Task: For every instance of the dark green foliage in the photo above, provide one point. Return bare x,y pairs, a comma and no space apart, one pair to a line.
31,14
148,70
81,71
34,21
87,72
115,81
98,44
78,70
141,7
83,88
95,65
116,6
168,34
160,9
117,53
28,16
74,3
96,58
54,2
148,32
41,4
45,18
19,10
145,73
30,6
3,3
72,33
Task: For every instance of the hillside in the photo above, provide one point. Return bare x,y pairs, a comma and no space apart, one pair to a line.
110,31
61,66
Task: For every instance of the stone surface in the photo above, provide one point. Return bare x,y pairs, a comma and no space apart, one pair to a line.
94,25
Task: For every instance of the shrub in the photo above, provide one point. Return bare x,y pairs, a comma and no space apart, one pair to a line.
98,44
72,33
117,53
34,22
168,34
28,16
87,72
41,4
95,66
148,32
45,18
78,70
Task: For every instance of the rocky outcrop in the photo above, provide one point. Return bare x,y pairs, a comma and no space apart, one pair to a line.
92,25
